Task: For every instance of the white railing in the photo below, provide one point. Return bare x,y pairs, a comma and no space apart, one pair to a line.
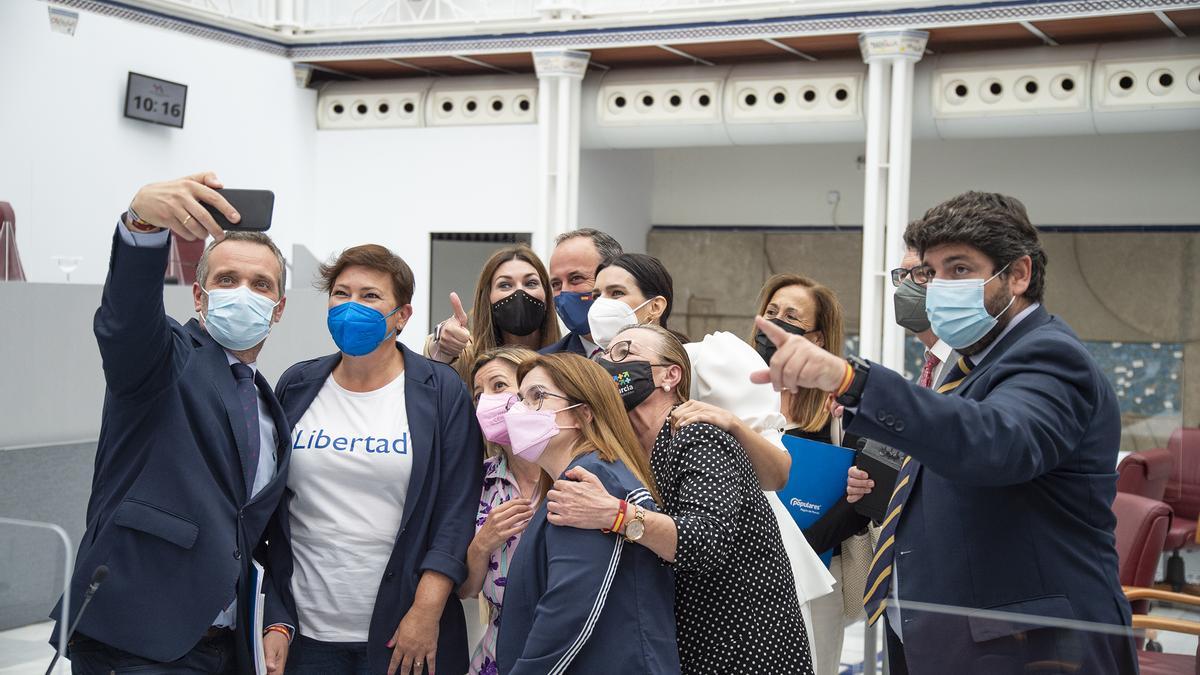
321,15
395,18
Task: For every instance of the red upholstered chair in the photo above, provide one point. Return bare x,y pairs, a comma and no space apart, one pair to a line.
1145,473
1142,526
1183,496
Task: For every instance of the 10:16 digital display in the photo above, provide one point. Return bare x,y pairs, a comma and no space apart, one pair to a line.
150,99
149,105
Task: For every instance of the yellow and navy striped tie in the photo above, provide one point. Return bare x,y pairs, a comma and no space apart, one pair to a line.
880,572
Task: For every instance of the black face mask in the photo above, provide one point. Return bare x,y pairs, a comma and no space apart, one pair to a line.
635,380
910,306
518,313
764,346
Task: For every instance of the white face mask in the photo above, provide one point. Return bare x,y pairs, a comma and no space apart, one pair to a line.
238,318
608,316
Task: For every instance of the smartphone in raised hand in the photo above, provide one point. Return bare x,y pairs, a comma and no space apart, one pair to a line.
255,207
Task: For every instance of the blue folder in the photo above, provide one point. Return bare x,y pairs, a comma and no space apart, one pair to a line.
816,482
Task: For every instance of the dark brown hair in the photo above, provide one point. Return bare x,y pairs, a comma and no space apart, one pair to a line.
995,224
375,257
484,334
653,280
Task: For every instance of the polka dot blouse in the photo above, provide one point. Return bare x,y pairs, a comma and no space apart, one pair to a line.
735,599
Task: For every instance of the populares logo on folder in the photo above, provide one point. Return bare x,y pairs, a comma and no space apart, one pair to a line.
816,482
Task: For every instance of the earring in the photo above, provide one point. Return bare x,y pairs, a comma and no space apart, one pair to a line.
667,388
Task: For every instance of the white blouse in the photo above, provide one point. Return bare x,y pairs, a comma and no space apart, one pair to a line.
721,367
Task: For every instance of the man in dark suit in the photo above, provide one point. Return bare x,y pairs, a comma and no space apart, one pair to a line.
193,451
1003,505
573,265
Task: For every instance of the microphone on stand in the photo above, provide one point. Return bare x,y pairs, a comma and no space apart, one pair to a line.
98,578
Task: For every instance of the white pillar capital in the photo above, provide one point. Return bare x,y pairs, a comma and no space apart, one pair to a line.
560,63
893,45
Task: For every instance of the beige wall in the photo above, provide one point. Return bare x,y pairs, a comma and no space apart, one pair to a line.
1126,287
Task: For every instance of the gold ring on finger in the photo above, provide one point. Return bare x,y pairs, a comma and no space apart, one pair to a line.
185,220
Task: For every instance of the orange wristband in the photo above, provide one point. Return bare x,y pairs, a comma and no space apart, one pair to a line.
846,380
278,629
619,520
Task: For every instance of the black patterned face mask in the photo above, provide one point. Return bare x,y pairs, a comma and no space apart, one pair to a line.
634,379
764,346
518,313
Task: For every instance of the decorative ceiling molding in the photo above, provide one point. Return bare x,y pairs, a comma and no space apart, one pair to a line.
256,37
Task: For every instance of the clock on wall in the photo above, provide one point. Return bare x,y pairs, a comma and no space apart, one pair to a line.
150,99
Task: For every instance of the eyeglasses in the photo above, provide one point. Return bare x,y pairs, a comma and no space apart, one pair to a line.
791,319
537,396
616,351
921,275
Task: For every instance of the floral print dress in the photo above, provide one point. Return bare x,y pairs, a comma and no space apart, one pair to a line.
499,486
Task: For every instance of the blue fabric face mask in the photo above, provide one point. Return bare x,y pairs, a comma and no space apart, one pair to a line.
573,309
237,318
957,312
357,329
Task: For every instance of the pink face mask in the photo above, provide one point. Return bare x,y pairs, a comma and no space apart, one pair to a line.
490,413
530,431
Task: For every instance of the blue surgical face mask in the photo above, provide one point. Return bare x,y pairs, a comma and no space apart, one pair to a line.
957,312
357,329
237,318
573,309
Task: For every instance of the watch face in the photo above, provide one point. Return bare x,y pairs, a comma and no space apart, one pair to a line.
634,530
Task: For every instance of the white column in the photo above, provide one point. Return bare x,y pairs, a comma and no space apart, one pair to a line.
560,75
562,158
890,55
873,212
285,19
547,86
899,175
576,86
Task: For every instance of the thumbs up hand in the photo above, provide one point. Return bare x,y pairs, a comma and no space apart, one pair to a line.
798,363
454,334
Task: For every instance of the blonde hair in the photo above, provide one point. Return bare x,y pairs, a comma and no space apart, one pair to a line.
609,433
514,355
484,333
809,408
673,352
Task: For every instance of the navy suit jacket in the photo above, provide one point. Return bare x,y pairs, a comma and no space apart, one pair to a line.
169,513
439,511
1011,509
582,601
568,343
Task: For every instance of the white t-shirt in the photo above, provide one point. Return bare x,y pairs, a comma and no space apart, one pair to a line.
351,464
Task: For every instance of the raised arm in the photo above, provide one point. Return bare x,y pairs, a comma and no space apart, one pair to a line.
131,325
771,462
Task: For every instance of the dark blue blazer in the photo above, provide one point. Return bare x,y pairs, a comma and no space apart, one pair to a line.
582,601
1011,509
169,513
439,510
568,343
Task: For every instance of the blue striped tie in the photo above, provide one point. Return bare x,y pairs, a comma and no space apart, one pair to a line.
880,572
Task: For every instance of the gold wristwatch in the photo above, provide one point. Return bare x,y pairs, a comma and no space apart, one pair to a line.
635,528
